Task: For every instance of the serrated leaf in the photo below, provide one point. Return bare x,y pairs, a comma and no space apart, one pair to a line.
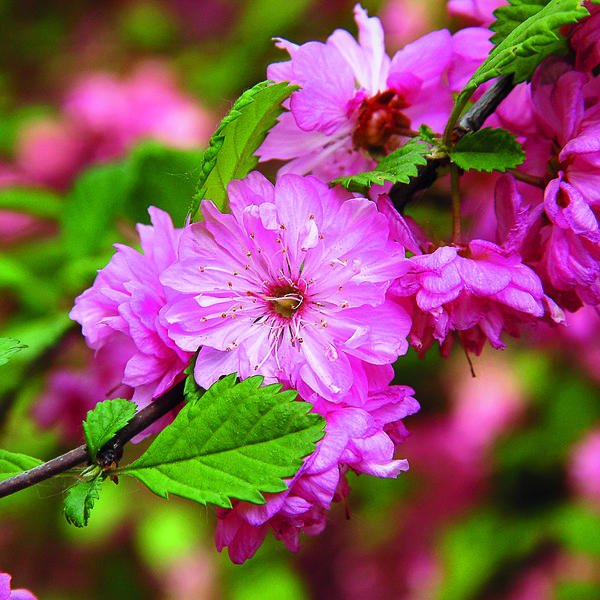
527,37
231,152
12,463
104,420
398,167
523,46
8,347
488,150
235,441
80,500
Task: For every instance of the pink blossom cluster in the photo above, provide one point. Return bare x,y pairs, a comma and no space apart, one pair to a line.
292,285
530,255
322,290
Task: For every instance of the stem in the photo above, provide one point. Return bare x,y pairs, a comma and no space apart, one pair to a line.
110,453
534,180
402,193
455,190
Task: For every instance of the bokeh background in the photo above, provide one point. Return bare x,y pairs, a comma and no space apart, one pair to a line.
105,109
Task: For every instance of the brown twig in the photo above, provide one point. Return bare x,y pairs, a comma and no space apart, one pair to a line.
110,453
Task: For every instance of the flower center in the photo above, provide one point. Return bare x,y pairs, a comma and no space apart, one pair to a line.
286,300
380,118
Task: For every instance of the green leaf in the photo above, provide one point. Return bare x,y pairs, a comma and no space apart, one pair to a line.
104,421
12,464
528,33
41,203
398,167
8,347
426,133
488,150
231,153
80,500
235,441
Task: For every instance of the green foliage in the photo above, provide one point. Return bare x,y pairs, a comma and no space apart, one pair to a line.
12,463
578,528
95,199
8,347
151,175
38,202
80,500
488,150
484,544
526,36
234,441
398,167
231,153
104,420
162,177
427,134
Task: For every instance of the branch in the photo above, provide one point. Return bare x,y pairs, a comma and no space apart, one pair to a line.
402,193
110,453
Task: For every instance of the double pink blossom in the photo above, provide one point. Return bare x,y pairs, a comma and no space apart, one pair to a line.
357,103
358,439
292,286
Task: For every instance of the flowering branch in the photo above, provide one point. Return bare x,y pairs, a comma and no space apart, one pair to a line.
402,193
110,453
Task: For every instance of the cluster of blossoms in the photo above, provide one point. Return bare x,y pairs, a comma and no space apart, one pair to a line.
321,291
292,285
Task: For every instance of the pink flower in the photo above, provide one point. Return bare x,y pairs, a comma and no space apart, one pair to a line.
480,11
123,306
117,113
362,439
355,101
585,467
585,40
104,117
480,290
561,138
292,285
7,594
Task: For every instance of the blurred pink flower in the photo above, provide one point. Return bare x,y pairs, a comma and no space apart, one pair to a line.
405,21
478,11
292,286
104,116
585,467
7,594
71,392
115,113
485,406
